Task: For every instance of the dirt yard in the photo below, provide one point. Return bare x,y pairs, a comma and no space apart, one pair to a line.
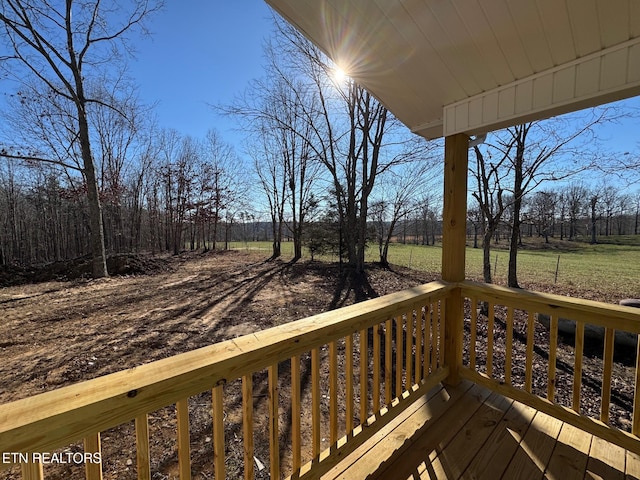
56,333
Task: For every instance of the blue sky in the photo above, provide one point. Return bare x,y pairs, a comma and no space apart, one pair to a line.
200,53
203,52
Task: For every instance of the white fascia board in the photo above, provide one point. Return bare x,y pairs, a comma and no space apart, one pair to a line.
606,76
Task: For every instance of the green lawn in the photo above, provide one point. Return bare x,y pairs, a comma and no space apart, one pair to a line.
611,268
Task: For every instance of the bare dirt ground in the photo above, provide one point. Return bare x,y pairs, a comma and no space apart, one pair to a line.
56,333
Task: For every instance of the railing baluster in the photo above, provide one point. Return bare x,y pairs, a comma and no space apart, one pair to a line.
419,356
635,423
577,368
427,340
376,368
441,335
364,376
433,313
142,448
490,326
247,425
296,430
528,382
31,471
218,431
274,431
607,360
508,347
93,470
184,448
553,348
348,358
388,363
399,357
333,392
473,332
315,401
409,350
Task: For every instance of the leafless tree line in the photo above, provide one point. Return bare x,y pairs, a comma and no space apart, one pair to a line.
168,192
520,185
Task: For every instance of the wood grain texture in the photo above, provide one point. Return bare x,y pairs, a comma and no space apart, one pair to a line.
364,376
577,369
274,430
296,432
142,448
553,353
184,441
315,401
31,471
218,431
607,367
377,378
408,363
93,470
348,359
454,217
589,311
564,414
247,425
388,362
529,361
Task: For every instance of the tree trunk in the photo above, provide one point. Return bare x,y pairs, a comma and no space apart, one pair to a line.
99,258
486,256
593,203
512,279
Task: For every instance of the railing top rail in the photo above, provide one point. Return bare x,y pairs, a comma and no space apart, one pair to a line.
53,419
590,311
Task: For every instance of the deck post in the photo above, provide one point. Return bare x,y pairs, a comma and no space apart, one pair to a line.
454,217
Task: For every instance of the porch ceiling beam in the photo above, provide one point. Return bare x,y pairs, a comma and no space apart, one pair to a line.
605,76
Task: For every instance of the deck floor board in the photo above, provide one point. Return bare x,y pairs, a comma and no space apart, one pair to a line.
468,432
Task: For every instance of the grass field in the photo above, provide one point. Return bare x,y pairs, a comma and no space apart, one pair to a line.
608,267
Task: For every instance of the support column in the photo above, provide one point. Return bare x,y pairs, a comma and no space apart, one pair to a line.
454,221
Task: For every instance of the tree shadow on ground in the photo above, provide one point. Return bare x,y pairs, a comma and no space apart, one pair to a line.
352,284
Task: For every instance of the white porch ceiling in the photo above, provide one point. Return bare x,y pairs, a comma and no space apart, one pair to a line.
451,66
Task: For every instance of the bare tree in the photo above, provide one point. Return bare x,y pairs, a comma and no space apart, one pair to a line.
608,198
353,135
395,201
274,111
593,203
272,178
63,46
222,185
542,208
490,195
576,195
537,149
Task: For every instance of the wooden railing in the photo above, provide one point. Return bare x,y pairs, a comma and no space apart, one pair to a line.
515,347
277,390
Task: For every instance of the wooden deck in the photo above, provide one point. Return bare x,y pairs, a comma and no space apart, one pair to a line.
472,433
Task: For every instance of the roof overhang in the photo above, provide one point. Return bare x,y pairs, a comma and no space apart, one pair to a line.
472,66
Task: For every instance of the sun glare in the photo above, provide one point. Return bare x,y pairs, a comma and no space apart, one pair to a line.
339,75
